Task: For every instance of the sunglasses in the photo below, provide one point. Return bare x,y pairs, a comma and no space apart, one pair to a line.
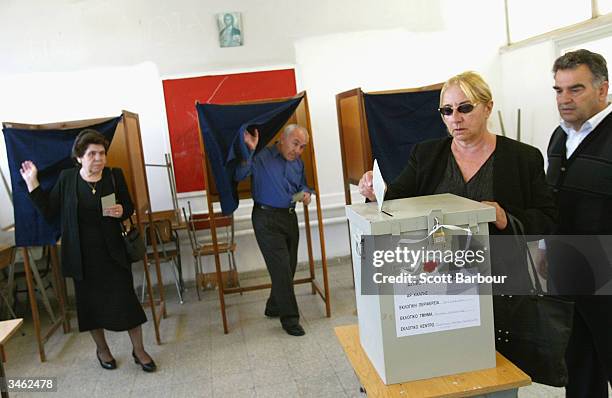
463,108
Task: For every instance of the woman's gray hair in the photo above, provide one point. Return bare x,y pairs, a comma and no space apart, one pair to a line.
595,62
292,127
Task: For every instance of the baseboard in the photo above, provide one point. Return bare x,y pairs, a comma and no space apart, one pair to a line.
302,266
208,281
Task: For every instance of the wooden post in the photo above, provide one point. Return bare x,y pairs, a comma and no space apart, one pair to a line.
33,303
60,288
213,233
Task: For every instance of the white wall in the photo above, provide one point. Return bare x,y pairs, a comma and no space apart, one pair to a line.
527,84
181,36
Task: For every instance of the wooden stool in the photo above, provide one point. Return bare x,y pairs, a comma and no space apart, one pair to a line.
502,381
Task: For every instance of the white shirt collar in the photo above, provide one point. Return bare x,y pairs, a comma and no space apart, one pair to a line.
590,124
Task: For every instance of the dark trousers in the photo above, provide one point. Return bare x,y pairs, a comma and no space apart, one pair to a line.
278,235
578,266
589,351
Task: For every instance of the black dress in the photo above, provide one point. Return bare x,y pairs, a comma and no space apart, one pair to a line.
478,188
105,297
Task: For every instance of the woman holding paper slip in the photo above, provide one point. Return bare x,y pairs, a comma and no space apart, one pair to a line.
477,164
91,201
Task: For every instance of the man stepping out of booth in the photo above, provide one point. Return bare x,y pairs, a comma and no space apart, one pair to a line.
278,182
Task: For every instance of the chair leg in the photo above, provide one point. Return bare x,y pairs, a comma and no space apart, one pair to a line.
233,262
142,291
180,273
180,266
8,306
176,281
196,264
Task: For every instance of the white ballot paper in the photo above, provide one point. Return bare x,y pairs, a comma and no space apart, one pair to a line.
297,197
378,183
108,201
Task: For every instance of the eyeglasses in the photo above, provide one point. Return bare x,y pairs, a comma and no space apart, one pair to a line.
463,108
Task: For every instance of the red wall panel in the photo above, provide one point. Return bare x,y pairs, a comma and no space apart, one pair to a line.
181,95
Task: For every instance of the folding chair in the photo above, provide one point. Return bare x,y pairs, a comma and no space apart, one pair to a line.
168,250
225,240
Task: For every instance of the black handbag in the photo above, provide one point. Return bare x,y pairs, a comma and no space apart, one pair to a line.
134,245
533,331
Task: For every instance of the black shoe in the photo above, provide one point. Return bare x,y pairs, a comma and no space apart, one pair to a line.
147,367
112,364
294,330
271,314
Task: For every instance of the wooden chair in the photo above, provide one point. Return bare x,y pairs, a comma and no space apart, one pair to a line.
40,262
225,234
168,250
7,260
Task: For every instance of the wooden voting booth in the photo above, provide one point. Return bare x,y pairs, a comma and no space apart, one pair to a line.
355,145
126,153
301,116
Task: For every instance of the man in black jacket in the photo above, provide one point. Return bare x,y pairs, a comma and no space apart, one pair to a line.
580,175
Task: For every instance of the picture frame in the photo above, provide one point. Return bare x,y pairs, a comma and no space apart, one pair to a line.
230,29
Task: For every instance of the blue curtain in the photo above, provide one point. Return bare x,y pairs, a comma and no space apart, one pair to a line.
222,128
50,152
398,121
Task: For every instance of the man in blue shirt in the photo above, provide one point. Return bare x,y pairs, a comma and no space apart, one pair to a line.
277,183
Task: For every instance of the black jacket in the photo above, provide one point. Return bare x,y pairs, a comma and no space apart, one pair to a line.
519,184
582,184
62,198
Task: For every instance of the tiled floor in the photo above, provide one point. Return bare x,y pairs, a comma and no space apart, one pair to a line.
256,359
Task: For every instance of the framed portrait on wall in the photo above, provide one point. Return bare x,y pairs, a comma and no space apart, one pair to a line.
230,29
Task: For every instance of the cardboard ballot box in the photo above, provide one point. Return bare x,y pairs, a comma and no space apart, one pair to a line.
420,335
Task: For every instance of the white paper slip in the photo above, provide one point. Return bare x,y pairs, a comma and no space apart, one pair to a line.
108,201
378,184
297,197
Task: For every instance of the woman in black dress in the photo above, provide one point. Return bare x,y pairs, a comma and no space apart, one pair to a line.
93,253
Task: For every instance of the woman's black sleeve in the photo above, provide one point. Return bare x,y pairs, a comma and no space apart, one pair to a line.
404,185
48,203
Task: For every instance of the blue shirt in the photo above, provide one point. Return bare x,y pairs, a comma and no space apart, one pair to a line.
274,179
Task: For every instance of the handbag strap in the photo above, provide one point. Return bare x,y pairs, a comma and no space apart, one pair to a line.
519,235
112,173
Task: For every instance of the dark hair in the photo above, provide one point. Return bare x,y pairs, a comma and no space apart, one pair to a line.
84,140
595,62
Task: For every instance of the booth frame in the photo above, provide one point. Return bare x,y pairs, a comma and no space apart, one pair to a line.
300,116
355,145
125,152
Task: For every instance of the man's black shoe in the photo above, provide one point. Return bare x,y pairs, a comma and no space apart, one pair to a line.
271,314
294,330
